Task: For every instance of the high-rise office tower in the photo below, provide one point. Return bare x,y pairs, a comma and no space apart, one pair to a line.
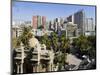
89,25
56,20
79,19
44,22
55,24
61,21
39,22
70,18
51,25
34,22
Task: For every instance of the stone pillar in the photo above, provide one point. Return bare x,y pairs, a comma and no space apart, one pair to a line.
21,65
33,68
49,66
38,67
22,57
17,68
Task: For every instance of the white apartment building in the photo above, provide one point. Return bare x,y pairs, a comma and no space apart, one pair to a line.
16,31
89,27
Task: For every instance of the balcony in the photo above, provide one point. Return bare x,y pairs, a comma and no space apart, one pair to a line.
18,58
34,58
45,57
26,50
35,52
18,55
18,50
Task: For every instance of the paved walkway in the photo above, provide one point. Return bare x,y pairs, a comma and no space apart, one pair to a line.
72,60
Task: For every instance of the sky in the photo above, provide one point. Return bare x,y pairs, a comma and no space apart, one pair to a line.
23,11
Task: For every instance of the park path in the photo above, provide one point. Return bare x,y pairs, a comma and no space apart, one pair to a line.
73,60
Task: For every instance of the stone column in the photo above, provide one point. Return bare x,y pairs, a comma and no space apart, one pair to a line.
21,65
51,69
17,68
49,66
33,68
22,57
38,67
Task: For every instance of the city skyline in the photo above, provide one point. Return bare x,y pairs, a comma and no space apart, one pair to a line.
51,37
23,11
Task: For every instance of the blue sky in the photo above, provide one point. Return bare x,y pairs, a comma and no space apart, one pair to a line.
23,11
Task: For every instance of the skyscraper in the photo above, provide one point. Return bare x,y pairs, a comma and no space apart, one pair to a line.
61,20
79,19
89,25
51,25
34,22
70,18
44,22
39,22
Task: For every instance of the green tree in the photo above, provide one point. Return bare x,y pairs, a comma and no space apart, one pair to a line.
40,27
24,38
54,41
46,40
50,41
92,43
16,42
60,45
63,46
86,45
26,35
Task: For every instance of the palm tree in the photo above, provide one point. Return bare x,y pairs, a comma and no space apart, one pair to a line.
64,47
54,41
26,35
46,40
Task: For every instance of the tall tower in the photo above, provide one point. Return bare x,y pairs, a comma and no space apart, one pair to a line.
70,18
44,22
39,22
79,19
89,25
34,22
